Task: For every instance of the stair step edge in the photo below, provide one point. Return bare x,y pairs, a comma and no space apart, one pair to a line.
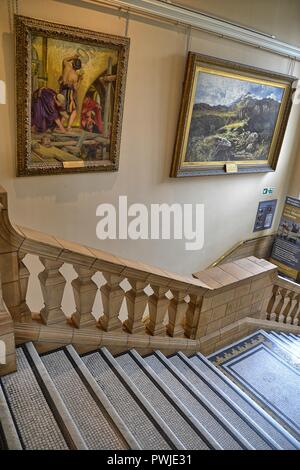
250,401
98,392
8,426
248,420
159,422
68,427
202,399
185,412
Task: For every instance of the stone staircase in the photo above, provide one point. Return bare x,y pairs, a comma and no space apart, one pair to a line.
266,365
59,400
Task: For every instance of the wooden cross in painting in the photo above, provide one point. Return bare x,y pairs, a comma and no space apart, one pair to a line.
108,81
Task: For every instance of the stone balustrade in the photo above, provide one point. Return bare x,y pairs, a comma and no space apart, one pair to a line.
172,309
284,304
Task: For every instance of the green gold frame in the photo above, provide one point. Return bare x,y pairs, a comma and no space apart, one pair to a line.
25,29
201,63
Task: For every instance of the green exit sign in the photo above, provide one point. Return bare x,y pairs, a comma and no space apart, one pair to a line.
268,191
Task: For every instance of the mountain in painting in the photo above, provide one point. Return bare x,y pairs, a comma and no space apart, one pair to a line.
242,130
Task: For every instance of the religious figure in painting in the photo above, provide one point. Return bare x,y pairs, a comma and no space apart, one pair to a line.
47,110
69,82
91,119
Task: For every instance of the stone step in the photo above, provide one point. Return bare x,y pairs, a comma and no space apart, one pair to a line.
281,337
291,342
284,344
9,438
164,400
288,338
31,412
264,421
146,425
63,417
199,405
96,426
225,405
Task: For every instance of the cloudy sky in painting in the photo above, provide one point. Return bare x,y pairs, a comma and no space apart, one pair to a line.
218,90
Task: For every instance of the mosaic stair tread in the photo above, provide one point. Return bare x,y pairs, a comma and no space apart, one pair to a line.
59,400
217,397
173,417
203,414
31,412
127,405
95,426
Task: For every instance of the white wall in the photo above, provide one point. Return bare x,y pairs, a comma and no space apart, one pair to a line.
66,205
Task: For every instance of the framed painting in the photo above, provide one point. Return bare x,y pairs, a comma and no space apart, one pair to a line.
232,118
70,93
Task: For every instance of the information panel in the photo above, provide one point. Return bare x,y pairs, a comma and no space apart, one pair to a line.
286,249
265,215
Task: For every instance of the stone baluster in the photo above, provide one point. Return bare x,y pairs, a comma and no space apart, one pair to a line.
290,302
85,291
192,316
177,311
53,286
21,311
282,304
112,297
273,303
24,275
295,312
136,300
158,307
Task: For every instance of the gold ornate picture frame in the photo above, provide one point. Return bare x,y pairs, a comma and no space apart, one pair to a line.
232,118
70,85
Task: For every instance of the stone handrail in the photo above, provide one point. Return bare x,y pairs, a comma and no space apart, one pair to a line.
213,306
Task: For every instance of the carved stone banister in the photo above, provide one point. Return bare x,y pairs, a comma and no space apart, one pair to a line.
210,307
284,303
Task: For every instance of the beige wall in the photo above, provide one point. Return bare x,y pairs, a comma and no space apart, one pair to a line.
294,187
66,205
280,18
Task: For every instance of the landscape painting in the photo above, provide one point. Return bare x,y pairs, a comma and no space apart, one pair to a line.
75,90
230,116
